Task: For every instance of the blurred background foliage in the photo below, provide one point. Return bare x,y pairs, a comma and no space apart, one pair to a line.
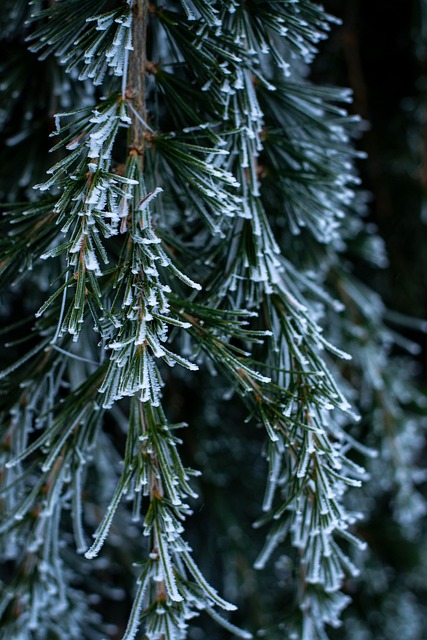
380,51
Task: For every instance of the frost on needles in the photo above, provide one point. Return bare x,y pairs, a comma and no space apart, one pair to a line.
191,225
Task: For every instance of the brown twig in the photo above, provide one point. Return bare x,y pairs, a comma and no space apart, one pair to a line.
135,90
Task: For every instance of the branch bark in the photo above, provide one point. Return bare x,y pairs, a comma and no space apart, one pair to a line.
135,90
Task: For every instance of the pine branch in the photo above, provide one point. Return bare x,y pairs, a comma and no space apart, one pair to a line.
197,213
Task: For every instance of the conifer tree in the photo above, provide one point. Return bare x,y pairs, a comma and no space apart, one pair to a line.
188,350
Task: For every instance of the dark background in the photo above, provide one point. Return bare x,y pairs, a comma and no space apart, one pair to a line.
380,51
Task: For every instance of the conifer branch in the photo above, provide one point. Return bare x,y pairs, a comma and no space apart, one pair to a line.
217,245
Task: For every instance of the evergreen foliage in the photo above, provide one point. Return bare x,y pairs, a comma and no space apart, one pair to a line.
191,243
